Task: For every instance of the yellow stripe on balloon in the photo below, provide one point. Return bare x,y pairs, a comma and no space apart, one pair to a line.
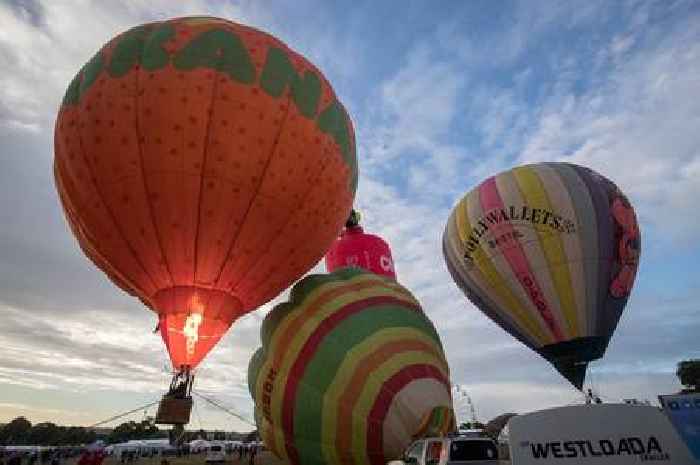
372,388
480,283
484,268
346,371
274,439
559,195
278,334
310,316
551,244
462,221
528,244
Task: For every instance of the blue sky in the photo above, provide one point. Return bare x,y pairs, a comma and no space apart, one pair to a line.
442,96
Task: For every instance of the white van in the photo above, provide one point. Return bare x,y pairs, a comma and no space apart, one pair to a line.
215,453
452,450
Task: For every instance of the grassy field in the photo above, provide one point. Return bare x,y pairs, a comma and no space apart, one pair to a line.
263,458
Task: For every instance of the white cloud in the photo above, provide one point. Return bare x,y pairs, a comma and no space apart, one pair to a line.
639,127
43,56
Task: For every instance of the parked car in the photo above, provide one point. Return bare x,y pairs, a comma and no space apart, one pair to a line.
457,450
215,453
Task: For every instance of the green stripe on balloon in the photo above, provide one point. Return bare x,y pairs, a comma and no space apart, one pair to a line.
323,365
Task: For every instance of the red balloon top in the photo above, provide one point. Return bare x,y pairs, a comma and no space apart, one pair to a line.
356,248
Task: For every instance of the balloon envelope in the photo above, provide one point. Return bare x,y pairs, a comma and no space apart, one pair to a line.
356,248
203,166
549,252
350,371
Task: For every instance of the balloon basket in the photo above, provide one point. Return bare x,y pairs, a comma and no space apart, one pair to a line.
175,406
174,411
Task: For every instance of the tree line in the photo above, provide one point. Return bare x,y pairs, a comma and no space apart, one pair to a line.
20,431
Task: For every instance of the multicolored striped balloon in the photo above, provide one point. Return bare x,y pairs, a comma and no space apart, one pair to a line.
350,372
549,252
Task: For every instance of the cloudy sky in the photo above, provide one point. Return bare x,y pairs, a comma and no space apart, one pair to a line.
442,97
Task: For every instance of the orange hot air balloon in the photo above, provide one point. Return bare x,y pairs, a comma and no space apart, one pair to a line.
203,166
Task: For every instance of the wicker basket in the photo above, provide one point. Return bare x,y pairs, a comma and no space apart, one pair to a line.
174,411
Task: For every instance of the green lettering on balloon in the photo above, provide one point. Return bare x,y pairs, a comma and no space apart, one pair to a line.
90,72
220,50
278,73
154,55
334,121
73,92
128,51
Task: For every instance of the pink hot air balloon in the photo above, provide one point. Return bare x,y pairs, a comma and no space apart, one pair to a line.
356,248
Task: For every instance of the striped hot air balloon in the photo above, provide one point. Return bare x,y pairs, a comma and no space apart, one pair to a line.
549,252
350,372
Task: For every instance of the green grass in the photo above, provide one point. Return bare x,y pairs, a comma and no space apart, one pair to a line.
263,458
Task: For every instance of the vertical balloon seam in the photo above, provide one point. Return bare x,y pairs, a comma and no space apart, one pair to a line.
96,256
604,232
305,195
586,225
87,245
299,323
524,257
559,194
507,193
382,401
384,390
502,271
541,257
292,258
487,305
348,406
281,331
251,203
108,208
491,199
535,191
505,274
482,266
349,349
100,261
613,305
473,286
207,138
139,142
315,310
589,227
352,369
372,390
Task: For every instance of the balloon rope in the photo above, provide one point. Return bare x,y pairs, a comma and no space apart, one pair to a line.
116,417
230,412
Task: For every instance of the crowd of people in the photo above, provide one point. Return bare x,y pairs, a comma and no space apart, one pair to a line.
96,455
44,456
249,450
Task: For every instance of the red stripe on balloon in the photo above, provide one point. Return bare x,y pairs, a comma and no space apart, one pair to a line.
491,200
308,351
380,408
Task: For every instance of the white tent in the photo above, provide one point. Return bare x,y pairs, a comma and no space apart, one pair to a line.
140,446
198,445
